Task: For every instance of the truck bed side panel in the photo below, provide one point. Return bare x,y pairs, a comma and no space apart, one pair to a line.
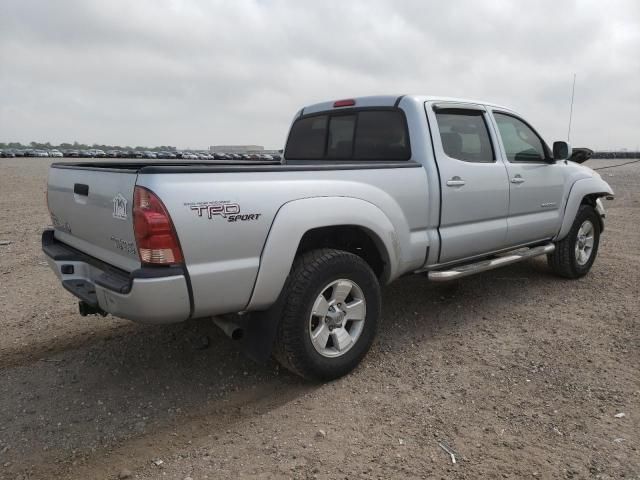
223,219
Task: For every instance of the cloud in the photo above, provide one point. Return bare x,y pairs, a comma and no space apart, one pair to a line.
196,73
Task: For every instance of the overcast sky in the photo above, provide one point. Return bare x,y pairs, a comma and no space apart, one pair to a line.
203,72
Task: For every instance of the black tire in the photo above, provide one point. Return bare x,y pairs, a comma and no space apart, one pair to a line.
310,273
563,260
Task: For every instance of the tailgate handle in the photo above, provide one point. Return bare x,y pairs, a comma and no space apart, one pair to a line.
81,189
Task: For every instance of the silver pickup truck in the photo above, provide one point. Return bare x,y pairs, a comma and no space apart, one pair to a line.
290,256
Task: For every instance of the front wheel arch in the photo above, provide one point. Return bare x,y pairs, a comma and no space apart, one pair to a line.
591,200
585,188
564,259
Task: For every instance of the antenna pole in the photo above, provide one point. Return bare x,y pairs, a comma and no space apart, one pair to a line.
573,91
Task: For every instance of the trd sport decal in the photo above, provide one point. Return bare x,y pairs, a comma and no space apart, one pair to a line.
223,209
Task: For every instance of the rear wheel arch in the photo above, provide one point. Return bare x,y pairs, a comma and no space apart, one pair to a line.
326,218
349,238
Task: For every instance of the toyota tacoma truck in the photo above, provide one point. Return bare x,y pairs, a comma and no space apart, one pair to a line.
290,256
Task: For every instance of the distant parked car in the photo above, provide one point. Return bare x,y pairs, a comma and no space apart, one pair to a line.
55,153
112,153
7,154
71,153
149,154
97,153
35,153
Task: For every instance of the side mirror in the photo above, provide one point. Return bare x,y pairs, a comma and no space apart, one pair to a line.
561,150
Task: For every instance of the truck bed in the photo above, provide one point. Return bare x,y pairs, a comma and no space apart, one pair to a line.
228,166
139,165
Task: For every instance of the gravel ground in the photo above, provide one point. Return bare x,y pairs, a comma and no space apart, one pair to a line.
520,373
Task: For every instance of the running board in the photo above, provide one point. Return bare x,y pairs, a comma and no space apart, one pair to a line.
484,265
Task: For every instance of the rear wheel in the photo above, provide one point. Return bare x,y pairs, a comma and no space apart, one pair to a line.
330,314
574,255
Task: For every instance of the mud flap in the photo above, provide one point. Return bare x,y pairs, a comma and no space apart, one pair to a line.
259,332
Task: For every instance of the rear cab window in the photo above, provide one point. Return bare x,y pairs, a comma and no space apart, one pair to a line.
366,134
308,135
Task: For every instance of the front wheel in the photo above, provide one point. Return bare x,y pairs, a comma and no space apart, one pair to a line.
574,255
330,314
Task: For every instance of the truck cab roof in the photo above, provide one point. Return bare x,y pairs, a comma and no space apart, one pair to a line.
390,101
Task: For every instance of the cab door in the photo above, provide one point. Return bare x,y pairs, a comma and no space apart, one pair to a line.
536,183
473,181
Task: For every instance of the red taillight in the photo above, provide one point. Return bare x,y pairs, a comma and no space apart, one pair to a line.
344,103
155,236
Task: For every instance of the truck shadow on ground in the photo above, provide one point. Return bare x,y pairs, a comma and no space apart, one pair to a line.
152,379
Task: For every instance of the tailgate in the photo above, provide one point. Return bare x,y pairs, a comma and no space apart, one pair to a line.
91,210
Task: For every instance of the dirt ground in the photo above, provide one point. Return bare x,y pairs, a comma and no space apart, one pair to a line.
520,373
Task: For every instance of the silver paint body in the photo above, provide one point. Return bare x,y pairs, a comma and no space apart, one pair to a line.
418,221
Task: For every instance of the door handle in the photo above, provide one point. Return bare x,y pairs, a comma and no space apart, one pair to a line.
455,182
517,179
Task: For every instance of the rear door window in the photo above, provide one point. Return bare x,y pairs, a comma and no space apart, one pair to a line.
357,135
464,135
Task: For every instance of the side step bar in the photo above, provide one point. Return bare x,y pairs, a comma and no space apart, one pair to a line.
484,265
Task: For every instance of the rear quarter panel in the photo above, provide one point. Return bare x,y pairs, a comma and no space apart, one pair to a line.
223,253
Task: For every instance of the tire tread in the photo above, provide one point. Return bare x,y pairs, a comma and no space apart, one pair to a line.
562,261
288,348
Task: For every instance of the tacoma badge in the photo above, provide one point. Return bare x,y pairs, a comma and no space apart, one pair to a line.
120,207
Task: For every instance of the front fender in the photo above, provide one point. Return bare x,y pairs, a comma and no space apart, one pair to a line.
594,185
295,218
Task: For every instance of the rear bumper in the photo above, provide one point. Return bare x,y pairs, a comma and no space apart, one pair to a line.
147,295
